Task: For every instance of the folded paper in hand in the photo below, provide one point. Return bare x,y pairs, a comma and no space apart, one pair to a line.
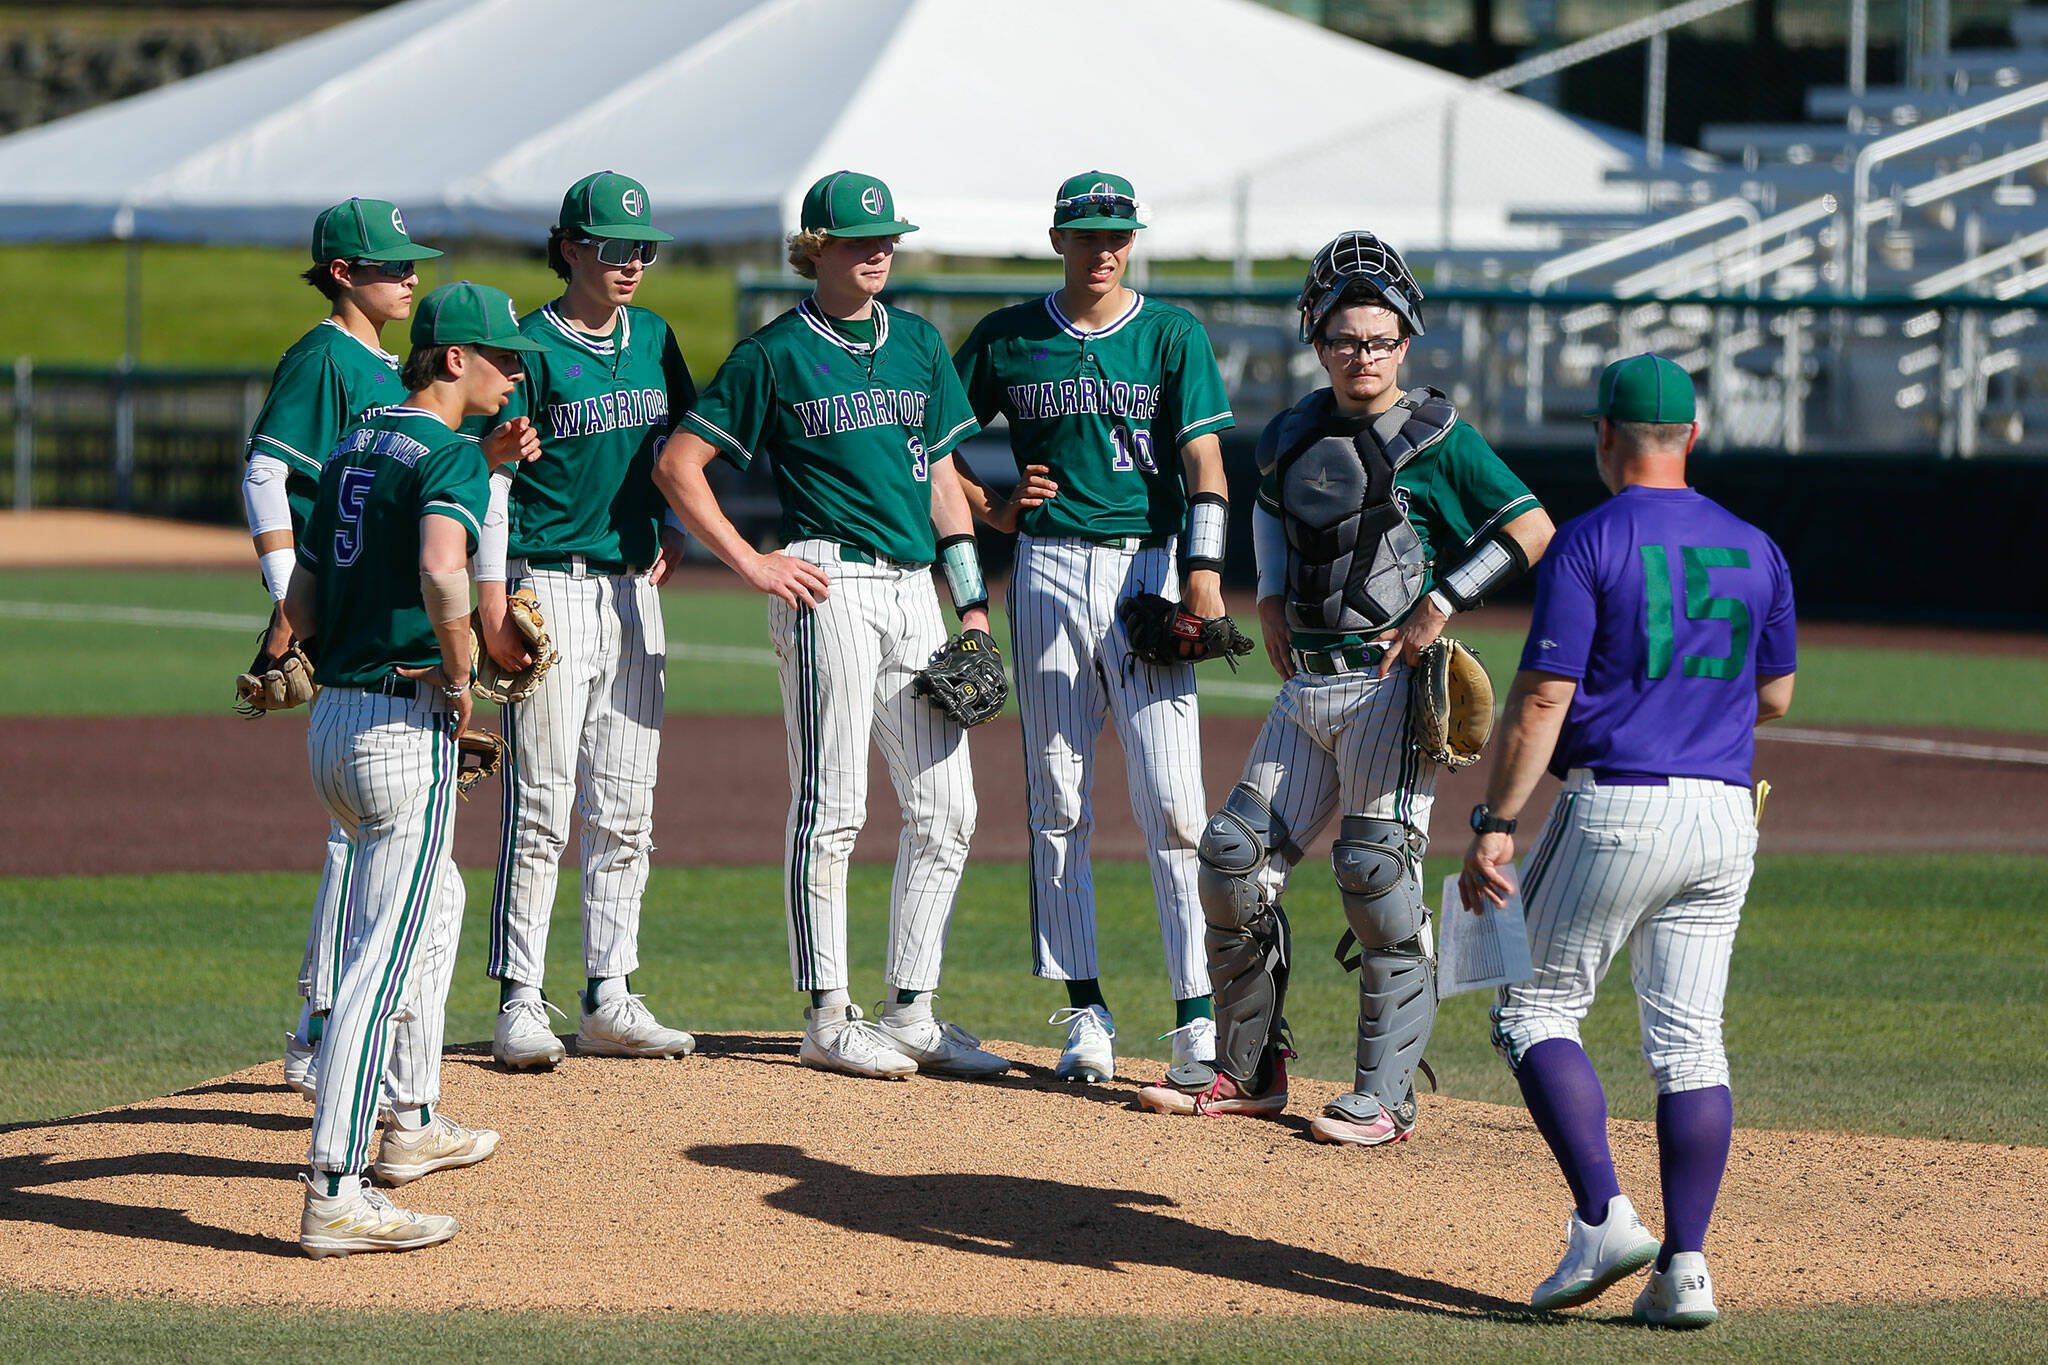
1477,951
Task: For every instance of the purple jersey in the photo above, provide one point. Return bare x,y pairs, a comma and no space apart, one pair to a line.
1666,608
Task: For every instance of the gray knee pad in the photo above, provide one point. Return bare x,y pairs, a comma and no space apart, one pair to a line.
1375,872
1248,941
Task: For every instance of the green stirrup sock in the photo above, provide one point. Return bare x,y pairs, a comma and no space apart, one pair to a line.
1081,994
316,1027
1185,1012
912,997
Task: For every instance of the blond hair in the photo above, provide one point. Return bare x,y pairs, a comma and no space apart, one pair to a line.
804,247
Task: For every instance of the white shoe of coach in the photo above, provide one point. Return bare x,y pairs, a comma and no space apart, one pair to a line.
1681,1296
1596,1256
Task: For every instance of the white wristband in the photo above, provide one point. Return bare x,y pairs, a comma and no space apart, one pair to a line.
1442,604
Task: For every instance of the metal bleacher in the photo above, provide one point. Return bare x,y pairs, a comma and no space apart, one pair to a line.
1871,280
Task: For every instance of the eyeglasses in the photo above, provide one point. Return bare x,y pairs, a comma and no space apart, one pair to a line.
1097,206
621,250
385,270
1373,348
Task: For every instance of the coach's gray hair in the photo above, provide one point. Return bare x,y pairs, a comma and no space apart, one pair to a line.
1651,438
804,247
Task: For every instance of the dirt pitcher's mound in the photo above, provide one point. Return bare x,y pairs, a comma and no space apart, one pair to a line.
738,1180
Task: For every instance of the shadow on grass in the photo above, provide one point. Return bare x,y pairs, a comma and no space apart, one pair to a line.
1101,1229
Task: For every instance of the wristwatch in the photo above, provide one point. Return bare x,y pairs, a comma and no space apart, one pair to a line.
1484,821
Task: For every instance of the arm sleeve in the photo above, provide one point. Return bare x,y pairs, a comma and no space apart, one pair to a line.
490,544
1777,647
976,368
1269,550
456,483
1562,626
303,417
733,410
1194,403
263,494
948,418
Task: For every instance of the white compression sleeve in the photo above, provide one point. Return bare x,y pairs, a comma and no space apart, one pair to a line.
263,496
277,571
1269,549
490,546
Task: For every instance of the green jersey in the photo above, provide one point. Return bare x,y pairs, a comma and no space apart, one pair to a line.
1453,493
602,406
362,541
325,382
1107,411
853,427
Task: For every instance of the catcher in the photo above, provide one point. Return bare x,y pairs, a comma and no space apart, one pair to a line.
1380,515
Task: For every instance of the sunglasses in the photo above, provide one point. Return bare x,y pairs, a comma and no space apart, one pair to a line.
621,250
1097,206
385,270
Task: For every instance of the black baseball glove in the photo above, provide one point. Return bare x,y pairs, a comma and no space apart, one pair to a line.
965,678
1163,632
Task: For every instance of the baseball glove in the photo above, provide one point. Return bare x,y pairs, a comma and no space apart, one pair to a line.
1450,704
499,684
276,682
478,754
965,679
1163,632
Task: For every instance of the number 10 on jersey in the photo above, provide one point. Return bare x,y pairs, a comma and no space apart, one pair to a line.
1131,450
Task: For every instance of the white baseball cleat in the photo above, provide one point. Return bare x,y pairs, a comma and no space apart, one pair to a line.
408,1154
298,1065
839,1038
523,1040
624,1027
938,1047
1090,1053
1681,1296
361,1218
1596,1256
1194,1041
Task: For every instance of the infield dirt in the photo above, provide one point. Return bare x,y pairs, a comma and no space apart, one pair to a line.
737,1180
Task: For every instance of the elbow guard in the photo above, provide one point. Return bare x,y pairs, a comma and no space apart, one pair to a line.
1495,560
1208,531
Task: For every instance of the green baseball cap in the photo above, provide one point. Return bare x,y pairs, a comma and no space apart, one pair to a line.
365,230
607,204
466,314
849,204
1645,388
1096,199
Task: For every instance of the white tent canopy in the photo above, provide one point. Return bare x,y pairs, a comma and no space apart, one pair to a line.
1246,131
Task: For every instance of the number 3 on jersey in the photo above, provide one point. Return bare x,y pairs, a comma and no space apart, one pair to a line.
1700,605
1131,449
353,493
920,467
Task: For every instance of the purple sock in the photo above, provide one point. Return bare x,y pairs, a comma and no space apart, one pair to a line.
1694,1128
1564,1097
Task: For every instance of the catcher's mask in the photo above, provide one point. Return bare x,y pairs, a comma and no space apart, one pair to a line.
1363,257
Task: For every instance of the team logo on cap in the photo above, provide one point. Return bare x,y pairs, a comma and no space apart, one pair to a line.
631,202
871,199
397,221
1102,187
512,311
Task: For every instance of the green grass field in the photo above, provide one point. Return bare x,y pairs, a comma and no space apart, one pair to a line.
199,628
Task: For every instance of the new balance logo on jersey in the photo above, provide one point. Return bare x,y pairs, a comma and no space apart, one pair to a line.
858,411
1065,397
609,412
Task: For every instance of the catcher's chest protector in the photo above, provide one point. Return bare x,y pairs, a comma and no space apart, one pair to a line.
1354,562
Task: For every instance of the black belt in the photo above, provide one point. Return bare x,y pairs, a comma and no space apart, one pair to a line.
580,565
405,689
854,554
1328,663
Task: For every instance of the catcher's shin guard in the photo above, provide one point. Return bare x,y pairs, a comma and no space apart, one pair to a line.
1247,940
1373,862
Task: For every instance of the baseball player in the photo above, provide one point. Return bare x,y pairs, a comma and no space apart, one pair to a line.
1380,515
1114,403
382,581
860,408
582,525
337,374
1663,635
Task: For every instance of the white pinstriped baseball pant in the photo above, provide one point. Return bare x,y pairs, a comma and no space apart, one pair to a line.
589,736
320,968
1073,664
1664,870
386,768
846,667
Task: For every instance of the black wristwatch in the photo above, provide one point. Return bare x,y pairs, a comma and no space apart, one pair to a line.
1485,821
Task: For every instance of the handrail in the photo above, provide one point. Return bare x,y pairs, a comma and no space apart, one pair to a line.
1642,239
1613,40
1911,139
1990,263
1748,238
